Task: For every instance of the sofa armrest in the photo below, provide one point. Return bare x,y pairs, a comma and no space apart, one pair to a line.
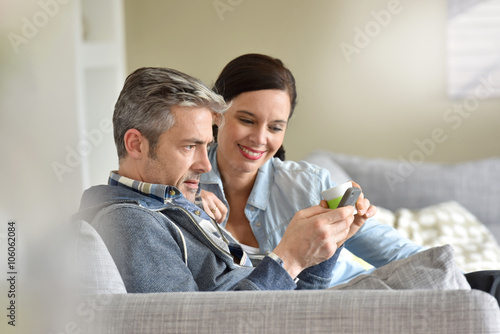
361,311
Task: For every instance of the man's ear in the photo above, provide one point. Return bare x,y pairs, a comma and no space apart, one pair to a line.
218,119
136,144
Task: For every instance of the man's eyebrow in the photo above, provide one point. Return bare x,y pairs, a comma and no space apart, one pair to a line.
196,141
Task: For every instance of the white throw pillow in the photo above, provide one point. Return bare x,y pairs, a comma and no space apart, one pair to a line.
448,223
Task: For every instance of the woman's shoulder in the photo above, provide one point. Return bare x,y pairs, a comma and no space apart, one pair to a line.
296,166
300,182
299,169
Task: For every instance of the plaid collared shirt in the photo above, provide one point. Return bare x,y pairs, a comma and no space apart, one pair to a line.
159,192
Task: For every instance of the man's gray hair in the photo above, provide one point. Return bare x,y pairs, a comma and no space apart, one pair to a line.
146,100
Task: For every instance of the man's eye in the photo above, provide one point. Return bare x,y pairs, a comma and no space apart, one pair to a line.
276,129
190,147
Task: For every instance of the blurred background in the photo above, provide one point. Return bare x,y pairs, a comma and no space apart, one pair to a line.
372,76
378,78
375,78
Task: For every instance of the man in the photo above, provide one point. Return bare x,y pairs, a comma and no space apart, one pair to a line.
158,237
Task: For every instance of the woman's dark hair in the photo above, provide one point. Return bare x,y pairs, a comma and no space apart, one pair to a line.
251,72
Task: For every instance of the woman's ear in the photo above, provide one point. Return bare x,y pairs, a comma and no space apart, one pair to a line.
136,144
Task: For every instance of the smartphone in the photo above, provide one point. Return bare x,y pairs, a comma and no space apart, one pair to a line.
350,197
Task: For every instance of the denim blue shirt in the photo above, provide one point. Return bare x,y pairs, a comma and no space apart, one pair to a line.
284,187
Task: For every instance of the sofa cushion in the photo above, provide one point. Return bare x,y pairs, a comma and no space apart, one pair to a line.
432,269
96,272
395,184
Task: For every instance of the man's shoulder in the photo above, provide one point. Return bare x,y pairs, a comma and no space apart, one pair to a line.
98,195
104,198
132,216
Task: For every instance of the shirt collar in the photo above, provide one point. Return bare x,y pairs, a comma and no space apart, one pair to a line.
160,192
259,197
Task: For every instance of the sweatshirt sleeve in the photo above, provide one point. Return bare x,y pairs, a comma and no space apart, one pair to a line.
320,275
150,258
268,275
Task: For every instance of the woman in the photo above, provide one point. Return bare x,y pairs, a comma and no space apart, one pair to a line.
263,193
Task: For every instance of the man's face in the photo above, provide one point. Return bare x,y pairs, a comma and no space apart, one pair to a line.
181,153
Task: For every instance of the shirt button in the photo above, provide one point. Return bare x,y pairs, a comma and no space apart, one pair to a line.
258,224
197,212
172,192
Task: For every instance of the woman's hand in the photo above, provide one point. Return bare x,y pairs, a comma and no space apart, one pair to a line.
365,211
213,206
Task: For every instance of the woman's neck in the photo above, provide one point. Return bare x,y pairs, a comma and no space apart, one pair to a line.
237,189
234,181
237,184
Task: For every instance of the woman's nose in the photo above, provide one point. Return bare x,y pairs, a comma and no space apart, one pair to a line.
259,136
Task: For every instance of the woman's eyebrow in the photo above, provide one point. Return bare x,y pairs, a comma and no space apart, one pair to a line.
248,113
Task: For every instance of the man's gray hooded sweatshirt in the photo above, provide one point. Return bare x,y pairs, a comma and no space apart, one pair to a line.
162,245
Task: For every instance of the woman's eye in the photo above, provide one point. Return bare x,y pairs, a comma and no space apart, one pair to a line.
276,129
246,121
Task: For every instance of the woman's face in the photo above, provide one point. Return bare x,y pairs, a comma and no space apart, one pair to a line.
253,130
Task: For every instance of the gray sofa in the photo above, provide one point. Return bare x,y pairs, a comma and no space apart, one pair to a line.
325,311
346,312
105,307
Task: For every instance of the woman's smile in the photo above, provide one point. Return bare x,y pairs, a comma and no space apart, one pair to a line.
249,153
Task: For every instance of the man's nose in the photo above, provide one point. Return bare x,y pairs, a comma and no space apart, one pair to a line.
202,164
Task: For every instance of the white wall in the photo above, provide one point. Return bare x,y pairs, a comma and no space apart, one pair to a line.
54,95
387,101
57,93
37,114
38,120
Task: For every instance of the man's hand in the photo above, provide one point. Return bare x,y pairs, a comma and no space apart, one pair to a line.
213,206
313,235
